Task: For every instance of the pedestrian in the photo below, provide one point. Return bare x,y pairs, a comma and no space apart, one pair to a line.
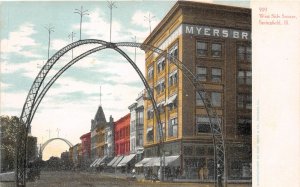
205,172
201,174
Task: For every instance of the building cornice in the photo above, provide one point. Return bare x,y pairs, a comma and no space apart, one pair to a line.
193,5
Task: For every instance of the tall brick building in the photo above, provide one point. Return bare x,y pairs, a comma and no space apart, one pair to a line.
214,42
122,134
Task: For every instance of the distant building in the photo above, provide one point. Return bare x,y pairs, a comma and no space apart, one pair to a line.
65,156
122,136
137,124
86,148
109,138
98,125
77,155
71,154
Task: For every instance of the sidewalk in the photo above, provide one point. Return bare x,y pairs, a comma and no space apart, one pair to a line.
141,178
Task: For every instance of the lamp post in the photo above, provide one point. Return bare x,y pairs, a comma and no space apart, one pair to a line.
50,29
149,19
71,36
82,13
134,40
111,5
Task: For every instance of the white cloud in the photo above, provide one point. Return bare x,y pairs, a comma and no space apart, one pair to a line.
4,85
18,40
12,103
57,44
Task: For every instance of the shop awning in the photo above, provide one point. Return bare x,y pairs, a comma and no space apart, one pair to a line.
100,161
154,161
149,129
142,162
117,161
92,164
162,103
112,161
126,159
172,160
169,161
171,99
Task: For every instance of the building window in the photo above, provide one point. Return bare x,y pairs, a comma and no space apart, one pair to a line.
240,99
199,101
201,73
140,117
244,53
158,130
173,51
248,77
244,126
150,113
160,86
216,99
172,127
216,75
244,101
200,150
202,124
210,150
188,150
173,78
172,102
202,48
245,77
149,134
161,107
249,101
161,64
150,72
140,137
216,50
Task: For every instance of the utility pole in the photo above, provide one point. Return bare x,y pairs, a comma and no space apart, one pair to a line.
50,29
71,36
149,19
57,130
49,131
100,95
82,13
134,40
111,5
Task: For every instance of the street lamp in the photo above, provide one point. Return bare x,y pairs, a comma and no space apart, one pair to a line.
71,36
82,13
111,5
149,19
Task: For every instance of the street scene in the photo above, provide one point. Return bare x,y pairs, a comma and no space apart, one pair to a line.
159,96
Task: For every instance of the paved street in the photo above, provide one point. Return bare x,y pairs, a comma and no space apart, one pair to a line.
84,179
78,179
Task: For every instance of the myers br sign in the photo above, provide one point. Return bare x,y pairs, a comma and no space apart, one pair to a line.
216,32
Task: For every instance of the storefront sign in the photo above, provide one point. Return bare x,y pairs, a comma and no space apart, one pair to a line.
216,32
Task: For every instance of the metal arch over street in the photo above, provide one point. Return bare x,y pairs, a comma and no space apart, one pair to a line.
34,98
214,120
31,100
52,139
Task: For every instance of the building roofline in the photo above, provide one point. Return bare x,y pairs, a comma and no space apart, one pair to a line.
85,135
122,118
193,4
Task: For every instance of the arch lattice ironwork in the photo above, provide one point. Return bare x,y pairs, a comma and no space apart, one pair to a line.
52,139
35,96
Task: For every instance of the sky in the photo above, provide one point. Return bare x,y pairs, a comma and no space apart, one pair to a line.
70,104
